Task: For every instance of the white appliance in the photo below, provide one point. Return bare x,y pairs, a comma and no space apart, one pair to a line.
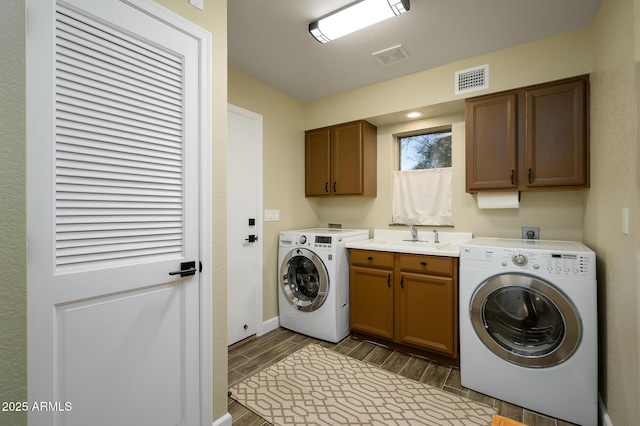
313,281
528,325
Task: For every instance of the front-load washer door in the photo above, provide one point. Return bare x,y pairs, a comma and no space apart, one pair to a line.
304,280
525,320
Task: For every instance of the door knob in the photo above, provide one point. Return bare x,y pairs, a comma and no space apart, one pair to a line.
252,238
186,269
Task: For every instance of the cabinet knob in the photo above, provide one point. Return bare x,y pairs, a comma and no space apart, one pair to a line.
369,258
423,263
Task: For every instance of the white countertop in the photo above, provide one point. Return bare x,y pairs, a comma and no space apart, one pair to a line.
400,242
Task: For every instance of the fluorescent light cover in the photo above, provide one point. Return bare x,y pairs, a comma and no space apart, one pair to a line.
355,17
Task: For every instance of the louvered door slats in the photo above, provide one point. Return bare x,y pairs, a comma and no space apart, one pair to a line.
119,45
119,147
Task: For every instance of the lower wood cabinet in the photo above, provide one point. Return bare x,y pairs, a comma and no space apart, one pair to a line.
407,299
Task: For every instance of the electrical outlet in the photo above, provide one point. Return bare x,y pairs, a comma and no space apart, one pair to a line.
530,233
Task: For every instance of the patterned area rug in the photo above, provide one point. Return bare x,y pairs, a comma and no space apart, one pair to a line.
317,386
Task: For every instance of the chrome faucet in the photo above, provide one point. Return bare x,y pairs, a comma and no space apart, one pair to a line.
437,241
414,232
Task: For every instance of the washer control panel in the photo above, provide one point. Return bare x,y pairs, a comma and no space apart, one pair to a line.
321,242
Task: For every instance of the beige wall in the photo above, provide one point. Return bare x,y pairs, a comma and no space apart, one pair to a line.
558,214
13,255
614,165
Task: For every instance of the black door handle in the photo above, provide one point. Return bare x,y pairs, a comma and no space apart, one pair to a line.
186,269
252,238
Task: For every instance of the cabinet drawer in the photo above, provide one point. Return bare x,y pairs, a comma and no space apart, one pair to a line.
380,259
426,264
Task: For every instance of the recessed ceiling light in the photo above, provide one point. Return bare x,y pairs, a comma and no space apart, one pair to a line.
414,114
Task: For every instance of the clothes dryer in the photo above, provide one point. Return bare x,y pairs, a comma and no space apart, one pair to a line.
313,294
528,325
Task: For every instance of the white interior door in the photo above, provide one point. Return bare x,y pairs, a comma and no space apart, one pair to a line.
244,204
114,133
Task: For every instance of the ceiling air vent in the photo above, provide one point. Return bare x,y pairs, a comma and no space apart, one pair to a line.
392,55
472,79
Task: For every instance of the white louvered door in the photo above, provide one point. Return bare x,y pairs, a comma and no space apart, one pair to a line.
113,209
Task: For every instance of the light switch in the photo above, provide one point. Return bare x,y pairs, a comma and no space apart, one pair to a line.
625,220
271,215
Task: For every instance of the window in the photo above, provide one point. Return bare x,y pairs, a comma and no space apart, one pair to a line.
422,186
430,150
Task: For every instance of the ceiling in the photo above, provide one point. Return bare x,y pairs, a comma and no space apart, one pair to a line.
269,39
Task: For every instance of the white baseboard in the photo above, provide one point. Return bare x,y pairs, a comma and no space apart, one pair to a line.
269,325
223,421
605,420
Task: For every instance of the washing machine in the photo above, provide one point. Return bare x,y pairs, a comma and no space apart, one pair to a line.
528,325
313,294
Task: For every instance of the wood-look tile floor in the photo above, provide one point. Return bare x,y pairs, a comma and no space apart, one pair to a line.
256,353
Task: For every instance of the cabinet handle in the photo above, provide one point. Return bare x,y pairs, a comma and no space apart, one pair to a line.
423,263
389,281
369,258
334,187
529,175
326,187
513,176
402,282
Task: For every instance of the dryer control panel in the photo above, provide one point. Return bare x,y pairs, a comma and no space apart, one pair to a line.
546,259
548,263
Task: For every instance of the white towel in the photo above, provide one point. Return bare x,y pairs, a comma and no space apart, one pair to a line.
422,197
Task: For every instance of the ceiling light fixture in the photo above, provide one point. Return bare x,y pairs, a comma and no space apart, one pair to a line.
354,17
414,114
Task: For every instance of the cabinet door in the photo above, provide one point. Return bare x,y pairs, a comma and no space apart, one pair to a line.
556,142
346,159
317,162
371,301
491,143
426,313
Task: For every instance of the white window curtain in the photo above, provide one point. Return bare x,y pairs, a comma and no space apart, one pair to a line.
422,197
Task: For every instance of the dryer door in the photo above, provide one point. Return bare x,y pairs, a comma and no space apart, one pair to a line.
525,320
304,280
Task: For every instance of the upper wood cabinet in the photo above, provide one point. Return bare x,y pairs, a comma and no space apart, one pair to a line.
529,139
492,144
341,160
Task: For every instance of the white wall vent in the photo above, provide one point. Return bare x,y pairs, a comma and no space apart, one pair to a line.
392,55
472,79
